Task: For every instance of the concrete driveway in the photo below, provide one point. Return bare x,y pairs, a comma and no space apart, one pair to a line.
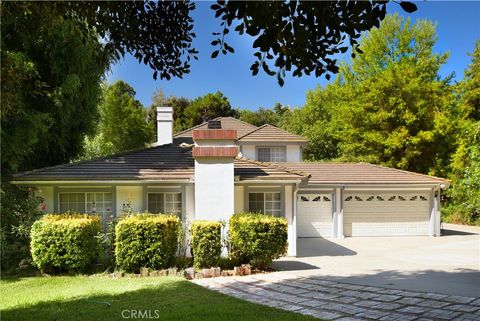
449,264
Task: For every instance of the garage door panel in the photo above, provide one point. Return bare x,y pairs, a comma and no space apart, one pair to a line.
385,214
314,215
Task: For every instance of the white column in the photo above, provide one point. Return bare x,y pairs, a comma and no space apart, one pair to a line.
289,215
339,205
431,223
437,211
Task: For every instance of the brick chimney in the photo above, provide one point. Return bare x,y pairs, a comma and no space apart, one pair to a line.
214,153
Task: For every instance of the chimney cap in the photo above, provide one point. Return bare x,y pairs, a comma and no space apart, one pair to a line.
214,124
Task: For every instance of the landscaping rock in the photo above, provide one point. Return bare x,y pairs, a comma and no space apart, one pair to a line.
189,273
246,269
237,271
118,274
172,271
199,275
207,273
224,273
163,272
153,273
216,271
143,271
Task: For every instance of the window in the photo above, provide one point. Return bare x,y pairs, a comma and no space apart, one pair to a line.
266,203
272,154
165,203
90,202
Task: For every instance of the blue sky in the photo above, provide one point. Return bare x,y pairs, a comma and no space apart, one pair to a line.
458,29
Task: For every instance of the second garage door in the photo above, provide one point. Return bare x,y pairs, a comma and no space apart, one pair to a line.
386,214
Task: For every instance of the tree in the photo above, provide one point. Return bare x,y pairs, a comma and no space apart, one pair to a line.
123,119
51,75
179,104
299,34
207,107
389,106
264,116
464,203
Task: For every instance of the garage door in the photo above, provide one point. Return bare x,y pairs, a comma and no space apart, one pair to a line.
314,215
386,214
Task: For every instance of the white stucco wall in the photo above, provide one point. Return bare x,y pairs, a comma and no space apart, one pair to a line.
239,199
294,153
249,151
132,193
47,193
289,216
214,189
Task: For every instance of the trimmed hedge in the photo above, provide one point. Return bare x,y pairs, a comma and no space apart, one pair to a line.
206,243
146,240
257,239
65,242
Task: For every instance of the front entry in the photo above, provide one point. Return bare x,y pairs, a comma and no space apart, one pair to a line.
314,215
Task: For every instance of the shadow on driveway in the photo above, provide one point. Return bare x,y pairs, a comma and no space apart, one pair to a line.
317,246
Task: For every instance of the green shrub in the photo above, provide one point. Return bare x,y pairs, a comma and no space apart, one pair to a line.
146,240
65,242
257,239
206,243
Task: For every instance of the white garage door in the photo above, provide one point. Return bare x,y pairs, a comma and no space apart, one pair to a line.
386,214
314,215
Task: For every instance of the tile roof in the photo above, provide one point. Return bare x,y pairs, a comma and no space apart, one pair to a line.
167,162
271,134
241,127
360,173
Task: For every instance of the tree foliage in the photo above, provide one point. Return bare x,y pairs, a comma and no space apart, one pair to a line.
298,35
263,116
388,106
207,107
51,74
464,202
123,122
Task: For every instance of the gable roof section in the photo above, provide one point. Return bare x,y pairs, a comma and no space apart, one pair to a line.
361,173
241,127
162,163
269,133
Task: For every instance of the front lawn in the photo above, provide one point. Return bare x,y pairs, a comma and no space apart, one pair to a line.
88,298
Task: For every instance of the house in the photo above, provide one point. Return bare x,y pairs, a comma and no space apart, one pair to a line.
226,166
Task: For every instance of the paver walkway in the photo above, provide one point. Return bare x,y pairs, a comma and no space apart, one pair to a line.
331,300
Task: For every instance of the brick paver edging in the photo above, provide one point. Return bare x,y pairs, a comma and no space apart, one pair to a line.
331,300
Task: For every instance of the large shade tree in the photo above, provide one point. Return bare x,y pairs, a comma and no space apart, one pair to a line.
388,106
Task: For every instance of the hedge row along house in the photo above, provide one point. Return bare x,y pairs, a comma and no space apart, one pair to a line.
227,166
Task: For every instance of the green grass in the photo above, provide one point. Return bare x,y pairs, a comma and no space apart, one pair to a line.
84,298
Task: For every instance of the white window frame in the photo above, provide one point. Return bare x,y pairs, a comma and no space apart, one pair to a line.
277,212
277,154
107,209
167,203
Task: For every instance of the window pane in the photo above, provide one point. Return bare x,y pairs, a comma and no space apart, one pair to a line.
155,202
278,154
263,154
